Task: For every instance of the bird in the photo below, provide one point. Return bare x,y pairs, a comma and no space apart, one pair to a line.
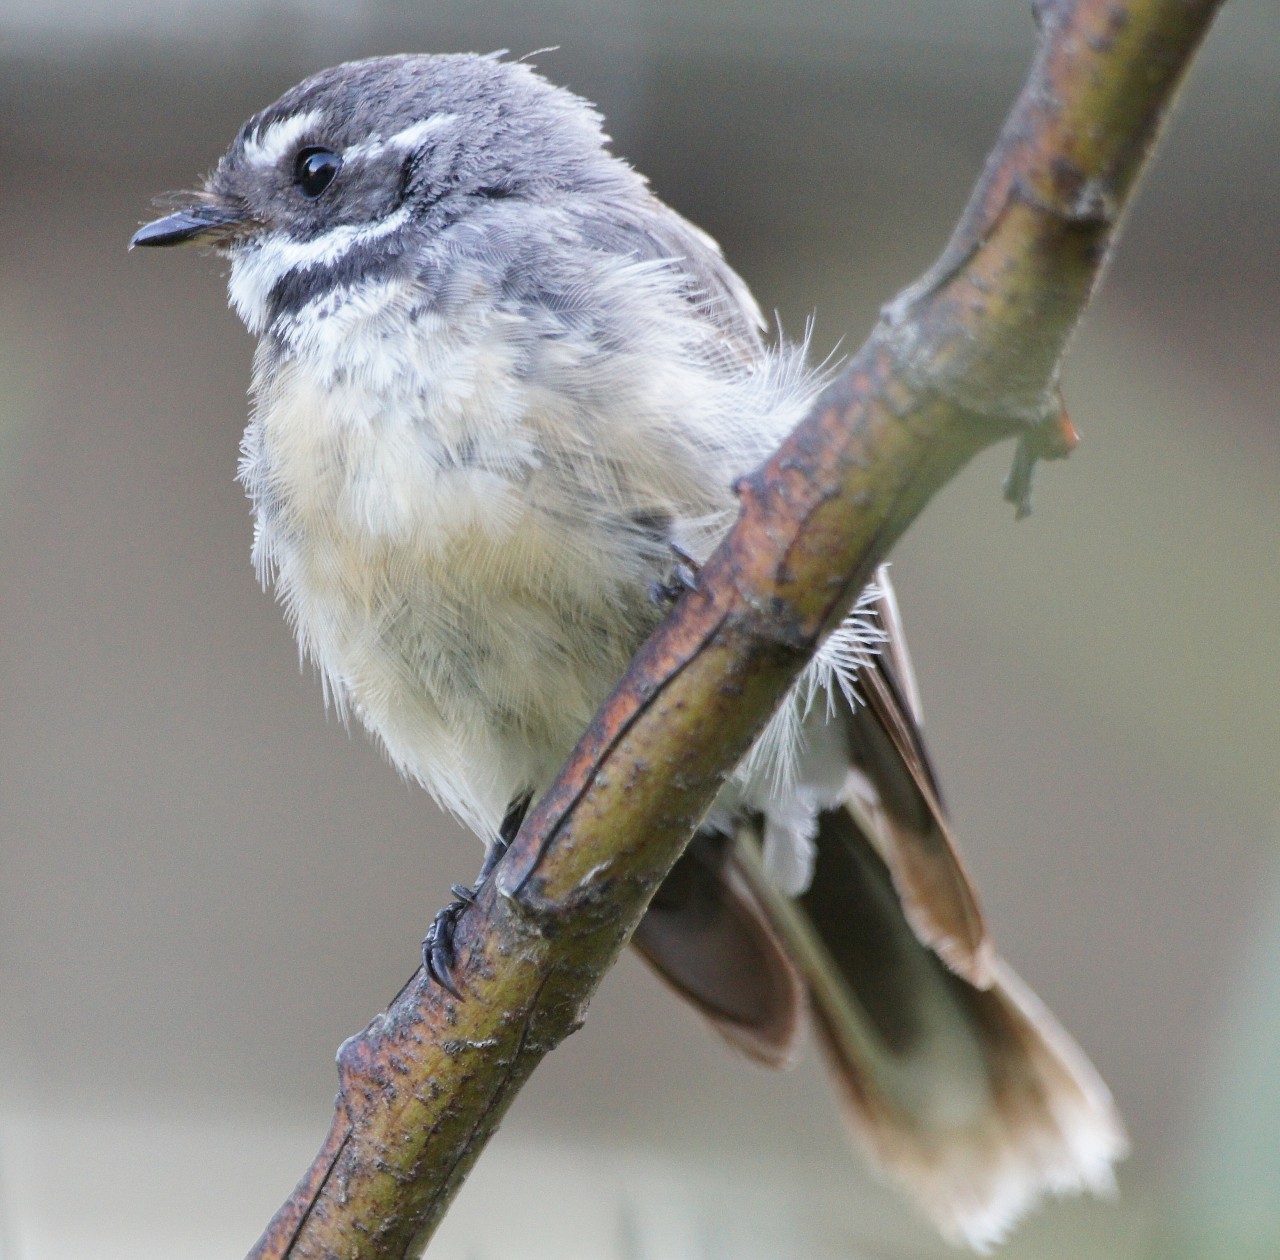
501,396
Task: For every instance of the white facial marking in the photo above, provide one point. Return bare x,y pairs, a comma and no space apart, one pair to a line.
414,134
257,268
367,150
409,138
266,148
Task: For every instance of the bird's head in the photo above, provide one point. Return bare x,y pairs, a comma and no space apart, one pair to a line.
348,171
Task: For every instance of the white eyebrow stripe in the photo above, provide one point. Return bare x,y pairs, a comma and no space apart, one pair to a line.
415,133
266,148
373,147
408,138
255,272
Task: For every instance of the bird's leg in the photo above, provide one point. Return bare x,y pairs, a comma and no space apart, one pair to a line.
437,946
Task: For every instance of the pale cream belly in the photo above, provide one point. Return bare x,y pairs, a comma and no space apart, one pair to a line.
477,663
450,602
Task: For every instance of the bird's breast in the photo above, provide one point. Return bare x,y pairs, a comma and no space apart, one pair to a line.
466,609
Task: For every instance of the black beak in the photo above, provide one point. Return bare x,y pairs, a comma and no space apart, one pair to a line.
199,222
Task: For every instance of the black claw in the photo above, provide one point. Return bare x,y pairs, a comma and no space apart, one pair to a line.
437,948
684,577
687,569
441,974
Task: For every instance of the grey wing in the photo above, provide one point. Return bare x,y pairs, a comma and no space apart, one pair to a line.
650,230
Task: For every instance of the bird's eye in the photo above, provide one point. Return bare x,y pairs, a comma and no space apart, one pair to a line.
314,169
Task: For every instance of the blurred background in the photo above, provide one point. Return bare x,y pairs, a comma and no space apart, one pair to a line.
206,883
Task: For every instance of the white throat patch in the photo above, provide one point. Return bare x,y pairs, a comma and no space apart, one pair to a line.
257,267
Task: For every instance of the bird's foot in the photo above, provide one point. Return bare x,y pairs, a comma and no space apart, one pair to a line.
437,947
684,577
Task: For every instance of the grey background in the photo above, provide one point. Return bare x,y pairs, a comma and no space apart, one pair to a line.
206,883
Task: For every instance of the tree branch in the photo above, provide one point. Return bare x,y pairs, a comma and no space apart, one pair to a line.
964,357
